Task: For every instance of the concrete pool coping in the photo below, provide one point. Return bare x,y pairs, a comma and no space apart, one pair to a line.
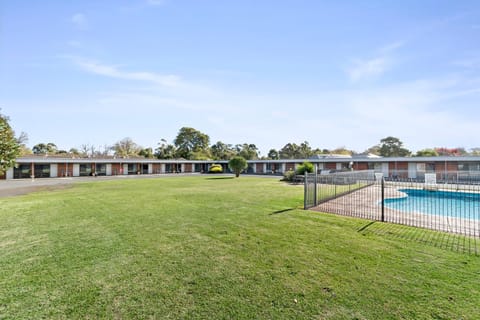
366,203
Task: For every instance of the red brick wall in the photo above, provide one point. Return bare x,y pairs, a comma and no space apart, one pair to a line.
2,176
400,169
288,166
360,166
330,166
188,167
64,168
156,168
117,168
398,166
451,167
259,167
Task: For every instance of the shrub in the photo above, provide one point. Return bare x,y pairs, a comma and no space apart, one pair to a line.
237,165
305,167
289,175
215,168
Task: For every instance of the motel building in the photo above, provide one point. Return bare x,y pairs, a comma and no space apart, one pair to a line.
446,168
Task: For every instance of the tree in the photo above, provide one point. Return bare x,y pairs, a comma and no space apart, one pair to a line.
273,154
373,150
342,151
237,164
45,148
165,150
126,148
190,141
294,151
22,142
392,147
146,152
475,151
87,150
305,167
74,151
248,151
222,151
305,151
426,153
289,151
9,146
455,152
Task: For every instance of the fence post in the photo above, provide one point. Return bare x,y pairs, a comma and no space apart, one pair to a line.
315,188
383,200
305,191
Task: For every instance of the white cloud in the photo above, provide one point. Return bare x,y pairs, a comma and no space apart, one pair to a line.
80,21
392,47
366,69
115,72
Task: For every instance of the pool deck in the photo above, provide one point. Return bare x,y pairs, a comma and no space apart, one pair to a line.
366,203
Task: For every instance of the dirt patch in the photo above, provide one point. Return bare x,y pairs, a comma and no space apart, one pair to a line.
30,189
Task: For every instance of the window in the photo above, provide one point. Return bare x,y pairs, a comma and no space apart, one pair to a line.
420,167
101,169
85,169
430,167
132,168
42,171
22,172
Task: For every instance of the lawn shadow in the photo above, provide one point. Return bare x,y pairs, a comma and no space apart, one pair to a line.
281,211
366,226
443,240
219,178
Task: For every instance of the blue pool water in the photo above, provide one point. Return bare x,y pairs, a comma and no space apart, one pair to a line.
444,203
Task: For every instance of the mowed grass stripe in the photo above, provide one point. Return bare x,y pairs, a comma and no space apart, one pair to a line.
204,248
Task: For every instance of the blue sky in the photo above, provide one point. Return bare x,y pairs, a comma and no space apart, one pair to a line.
334,73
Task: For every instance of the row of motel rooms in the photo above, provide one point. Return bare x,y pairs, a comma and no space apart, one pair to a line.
401,167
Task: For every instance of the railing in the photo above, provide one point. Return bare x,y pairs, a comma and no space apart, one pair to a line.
441,206
323,187
449,176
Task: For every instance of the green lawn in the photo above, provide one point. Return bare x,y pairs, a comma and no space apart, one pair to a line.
215,248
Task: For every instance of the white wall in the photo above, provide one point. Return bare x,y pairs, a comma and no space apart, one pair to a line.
53,170
412,170
76,170
385,169
9,174
108,170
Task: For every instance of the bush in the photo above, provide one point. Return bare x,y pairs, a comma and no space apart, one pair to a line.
305,167
289,175
215,168
237,165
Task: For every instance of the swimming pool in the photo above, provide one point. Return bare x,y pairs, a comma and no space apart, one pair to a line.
444,203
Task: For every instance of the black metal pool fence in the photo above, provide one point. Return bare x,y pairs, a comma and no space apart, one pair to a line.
446,205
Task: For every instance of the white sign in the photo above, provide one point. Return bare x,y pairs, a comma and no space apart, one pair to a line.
430,179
